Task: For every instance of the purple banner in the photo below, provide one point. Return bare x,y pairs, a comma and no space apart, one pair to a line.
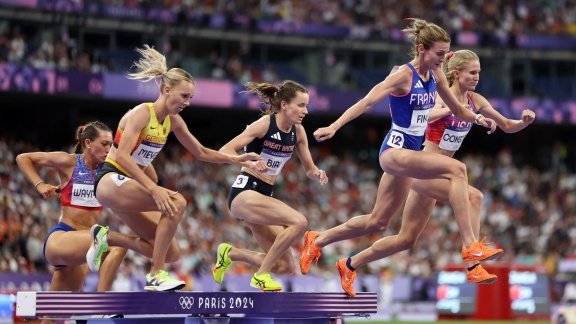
12,282
142,303
81,83
340,101
211,93
228,95
23,78
546,41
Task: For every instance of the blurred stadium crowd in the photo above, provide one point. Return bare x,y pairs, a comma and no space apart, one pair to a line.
491,16
496,22
526,211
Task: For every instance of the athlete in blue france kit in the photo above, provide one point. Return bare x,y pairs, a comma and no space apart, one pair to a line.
411,92
444,135
275,225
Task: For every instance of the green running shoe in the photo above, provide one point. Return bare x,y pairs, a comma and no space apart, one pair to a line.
99,246
223,262
265,283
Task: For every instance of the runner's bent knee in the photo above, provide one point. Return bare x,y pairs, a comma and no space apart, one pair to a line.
458,171
377,224
180,203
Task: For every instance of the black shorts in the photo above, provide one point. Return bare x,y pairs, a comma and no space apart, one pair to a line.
107,167
246,181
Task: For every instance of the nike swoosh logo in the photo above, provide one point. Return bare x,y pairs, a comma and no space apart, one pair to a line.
475,277
308,251
477,254
83,173
346,276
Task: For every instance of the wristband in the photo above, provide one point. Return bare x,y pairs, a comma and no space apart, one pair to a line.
478,116
37,183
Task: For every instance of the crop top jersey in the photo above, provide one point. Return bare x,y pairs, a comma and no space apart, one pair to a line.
449,132
151,140
79,191
275,147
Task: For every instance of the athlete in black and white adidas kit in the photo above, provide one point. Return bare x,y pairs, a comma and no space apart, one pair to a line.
275,148
275,225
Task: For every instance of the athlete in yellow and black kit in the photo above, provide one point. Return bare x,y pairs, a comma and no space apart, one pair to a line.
151,140
125,184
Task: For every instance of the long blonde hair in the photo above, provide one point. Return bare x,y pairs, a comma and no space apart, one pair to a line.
456,61
152,64
425,33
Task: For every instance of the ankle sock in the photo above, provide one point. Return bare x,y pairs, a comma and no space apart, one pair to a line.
349,264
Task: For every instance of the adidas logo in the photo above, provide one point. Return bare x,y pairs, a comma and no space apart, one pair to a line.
276,136
418,85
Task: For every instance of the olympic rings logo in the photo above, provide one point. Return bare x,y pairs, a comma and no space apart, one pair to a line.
186,302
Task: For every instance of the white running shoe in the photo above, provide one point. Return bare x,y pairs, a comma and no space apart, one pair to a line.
99,246
161,281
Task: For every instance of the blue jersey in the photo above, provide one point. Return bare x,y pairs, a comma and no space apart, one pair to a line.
410,113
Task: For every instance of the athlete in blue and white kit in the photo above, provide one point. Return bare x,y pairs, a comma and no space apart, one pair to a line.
275,225
412,93
444,135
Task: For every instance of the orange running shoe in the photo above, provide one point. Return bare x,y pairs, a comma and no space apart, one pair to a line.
478,251
347,277
480,276
310,252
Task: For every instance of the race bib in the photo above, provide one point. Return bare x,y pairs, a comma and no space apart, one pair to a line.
119,179
451,140
275,160
146,152
396,139
419,121
83,194
240,182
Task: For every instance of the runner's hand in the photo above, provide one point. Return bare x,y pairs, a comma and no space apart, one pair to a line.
488,123
163,199
48,190
259,166
324,133
528,116
319,175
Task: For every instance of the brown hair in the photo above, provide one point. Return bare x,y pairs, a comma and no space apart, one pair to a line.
88,131
456,61
425,33
152,64
272,95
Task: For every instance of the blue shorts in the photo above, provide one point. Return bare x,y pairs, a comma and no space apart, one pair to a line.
59,227
398,139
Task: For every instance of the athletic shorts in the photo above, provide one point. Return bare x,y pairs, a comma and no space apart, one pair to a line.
246,181
59,227
398,139
106,168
